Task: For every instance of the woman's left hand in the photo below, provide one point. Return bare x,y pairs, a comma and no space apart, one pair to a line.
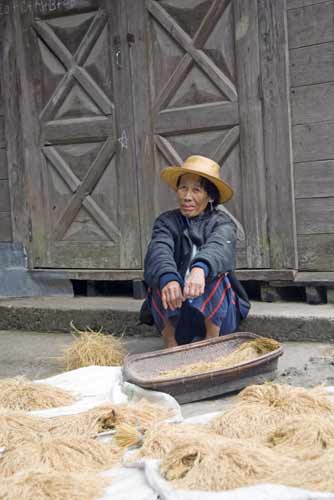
195,283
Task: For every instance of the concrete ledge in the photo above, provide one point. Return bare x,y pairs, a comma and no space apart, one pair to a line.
282,320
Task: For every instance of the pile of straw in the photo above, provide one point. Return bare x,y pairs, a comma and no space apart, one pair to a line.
263,408
246,421
44,485
275,434
243,353
162,438
17,427
20,394
93,348
108,417
59,454
214,465
303,435
316,474
288,399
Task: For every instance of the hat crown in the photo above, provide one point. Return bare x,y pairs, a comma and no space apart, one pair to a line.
202,165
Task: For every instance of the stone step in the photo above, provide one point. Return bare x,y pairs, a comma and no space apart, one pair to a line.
280,320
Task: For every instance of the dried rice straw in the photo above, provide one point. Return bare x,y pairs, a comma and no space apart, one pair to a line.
60,454
162,438
316,474
251,421
303,436
290,400
108,417
17,427
44,485
93,348
216,465
245,352
21,394
127,436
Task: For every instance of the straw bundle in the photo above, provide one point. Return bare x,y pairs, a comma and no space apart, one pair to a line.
162,438
17,427
20,394
245,352
93,348
46,485
290,400
313,433
108,417
251,421
60,454
127,435
218,466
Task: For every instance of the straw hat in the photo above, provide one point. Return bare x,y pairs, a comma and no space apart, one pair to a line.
199,165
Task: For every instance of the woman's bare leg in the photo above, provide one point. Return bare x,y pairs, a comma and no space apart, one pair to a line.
211,329
168,334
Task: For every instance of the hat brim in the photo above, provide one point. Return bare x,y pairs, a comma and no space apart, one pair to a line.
171,174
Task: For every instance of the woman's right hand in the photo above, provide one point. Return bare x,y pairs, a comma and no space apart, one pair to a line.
172,296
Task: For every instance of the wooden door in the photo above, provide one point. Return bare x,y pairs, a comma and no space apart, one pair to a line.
78,128
204,96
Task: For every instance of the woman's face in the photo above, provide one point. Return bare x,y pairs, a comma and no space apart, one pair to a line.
192,197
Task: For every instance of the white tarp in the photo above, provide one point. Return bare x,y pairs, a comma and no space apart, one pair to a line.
142,481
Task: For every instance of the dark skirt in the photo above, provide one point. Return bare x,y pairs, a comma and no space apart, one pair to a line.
219,303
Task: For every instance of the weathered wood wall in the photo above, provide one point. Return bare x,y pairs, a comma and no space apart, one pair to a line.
5,212
311,47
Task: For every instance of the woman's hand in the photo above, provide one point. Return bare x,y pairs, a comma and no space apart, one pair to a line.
195,283
172,296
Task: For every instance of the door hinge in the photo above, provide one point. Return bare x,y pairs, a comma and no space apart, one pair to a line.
30,230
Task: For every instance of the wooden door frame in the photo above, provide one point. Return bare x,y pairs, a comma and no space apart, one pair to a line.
17,143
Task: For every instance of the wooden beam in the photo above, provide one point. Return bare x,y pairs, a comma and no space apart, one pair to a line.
317,278
179,120
315,252
314,179
310,25
312,103
277,133
266,274
313,142
14,138
310,65
253,174
295,4
91,274
315,216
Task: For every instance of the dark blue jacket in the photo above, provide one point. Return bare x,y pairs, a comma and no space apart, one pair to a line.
170,249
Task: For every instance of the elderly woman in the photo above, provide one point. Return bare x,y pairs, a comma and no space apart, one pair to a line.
192,290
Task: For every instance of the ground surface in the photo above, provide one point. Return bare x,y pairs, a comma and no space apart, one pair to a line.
36,355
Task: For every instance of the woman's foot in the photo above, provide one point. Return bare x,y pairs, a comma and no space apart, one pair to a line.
211,329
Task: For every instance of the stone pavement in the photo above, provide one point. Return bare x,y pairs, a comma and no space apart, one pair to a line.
36,355
280,320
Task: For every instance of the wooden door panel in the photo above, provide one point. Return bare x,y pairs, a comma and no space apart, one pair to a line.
195,82
86,173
